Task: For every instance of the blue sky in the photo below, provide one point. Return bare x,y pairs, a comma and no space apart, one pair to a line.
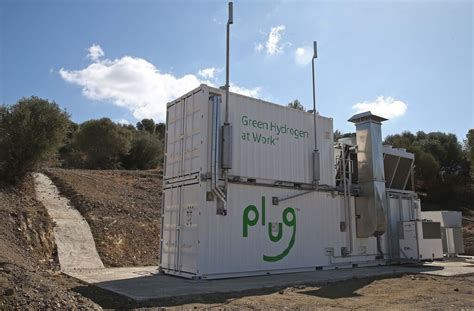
412,60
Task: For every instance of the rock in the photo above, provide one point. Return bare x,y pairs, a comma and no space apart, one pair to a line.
9,292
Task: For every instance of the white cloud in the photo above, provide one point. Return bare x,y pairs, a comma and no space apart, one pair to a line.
208,73
135,84
273,43
303,55
386,107
258,47
244,91
95,52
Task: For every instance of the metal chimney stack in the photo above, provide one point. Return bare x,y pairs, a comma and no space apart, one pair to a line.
371,204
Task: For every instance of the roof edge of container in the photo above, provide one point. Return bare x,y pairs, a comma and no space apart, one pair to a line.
222,92
202,86
214,89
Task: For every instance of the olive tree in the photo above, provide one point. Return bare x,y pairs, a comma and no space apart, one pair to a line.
30,133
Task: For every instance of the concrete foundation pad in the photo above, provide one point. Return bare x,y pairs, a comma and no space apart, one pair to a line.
451,268
144,283
97,276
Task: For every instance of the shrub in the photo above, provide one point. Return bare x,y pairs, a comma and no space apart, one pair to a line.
146,152
30,132
147,125
102,143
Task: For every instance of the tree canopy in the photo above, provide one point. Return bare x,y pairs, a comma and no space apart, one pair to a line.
147,125
30,133
295,104
103,143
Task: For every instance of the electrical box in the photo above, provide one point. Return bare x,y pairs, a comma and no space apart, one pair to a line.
452,241
420,240
451,230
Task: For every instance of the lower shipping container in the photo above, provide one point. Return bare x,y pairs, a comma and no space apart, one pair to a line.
256,236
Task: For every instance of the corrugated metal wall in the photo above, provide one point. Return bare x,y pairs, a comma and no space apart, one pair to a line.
276,143
223,248
270,141
184,135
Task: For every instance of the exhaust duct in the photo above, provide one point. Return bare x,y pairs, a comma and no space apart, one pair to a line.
370,206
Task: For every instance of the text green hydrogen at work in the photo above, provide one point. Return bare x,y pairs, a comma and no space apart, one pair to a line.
278,129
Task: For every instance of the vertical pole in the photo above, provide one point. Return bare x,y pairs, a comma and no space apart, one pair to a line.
227,127
316,169
314,111
229,22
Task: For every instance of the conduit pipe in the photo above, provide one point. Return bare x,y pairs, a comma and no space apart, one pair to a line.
215,100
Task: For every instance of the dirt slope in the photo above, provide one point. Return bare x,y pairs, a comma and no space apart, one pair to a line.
29,275
468,233
122,209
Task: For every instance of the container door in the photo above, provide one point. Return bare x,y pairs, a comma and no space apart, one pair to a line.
188,224
183,138
170,232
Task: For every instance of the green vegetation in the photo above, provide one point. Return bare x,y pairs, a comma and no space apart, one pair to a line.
146,152
295,104
35,132
30,133
102,143
147,125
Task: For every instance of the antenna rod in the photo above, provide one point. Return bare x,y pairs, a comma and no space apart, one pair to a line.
229,22
316,171
226,159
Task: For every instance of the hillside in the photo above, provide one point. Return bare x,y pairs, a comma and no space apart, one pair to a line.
29,275
122,209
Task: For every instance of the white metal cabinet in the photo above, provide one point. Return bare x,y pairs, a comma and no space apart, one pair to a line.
420,240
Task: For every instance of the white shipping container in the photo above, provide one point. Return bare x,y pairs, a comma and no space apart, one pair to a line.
270,142
256,237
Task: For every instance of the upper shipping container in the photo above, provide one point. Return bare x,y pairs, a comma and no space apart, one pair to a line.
269,142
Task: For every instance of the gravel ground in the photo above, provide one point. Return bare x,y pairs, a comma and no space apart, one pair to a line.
408,292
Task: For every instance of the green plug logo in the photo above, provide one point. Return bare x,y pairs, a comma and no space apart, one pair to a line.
251,217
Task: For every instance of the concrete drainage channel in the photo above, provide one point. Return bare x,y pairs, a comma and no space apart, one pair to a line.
76,246
77,252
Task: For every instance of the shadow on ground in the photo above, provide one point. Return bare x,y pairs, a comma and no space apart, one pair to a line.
110,300
343,289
